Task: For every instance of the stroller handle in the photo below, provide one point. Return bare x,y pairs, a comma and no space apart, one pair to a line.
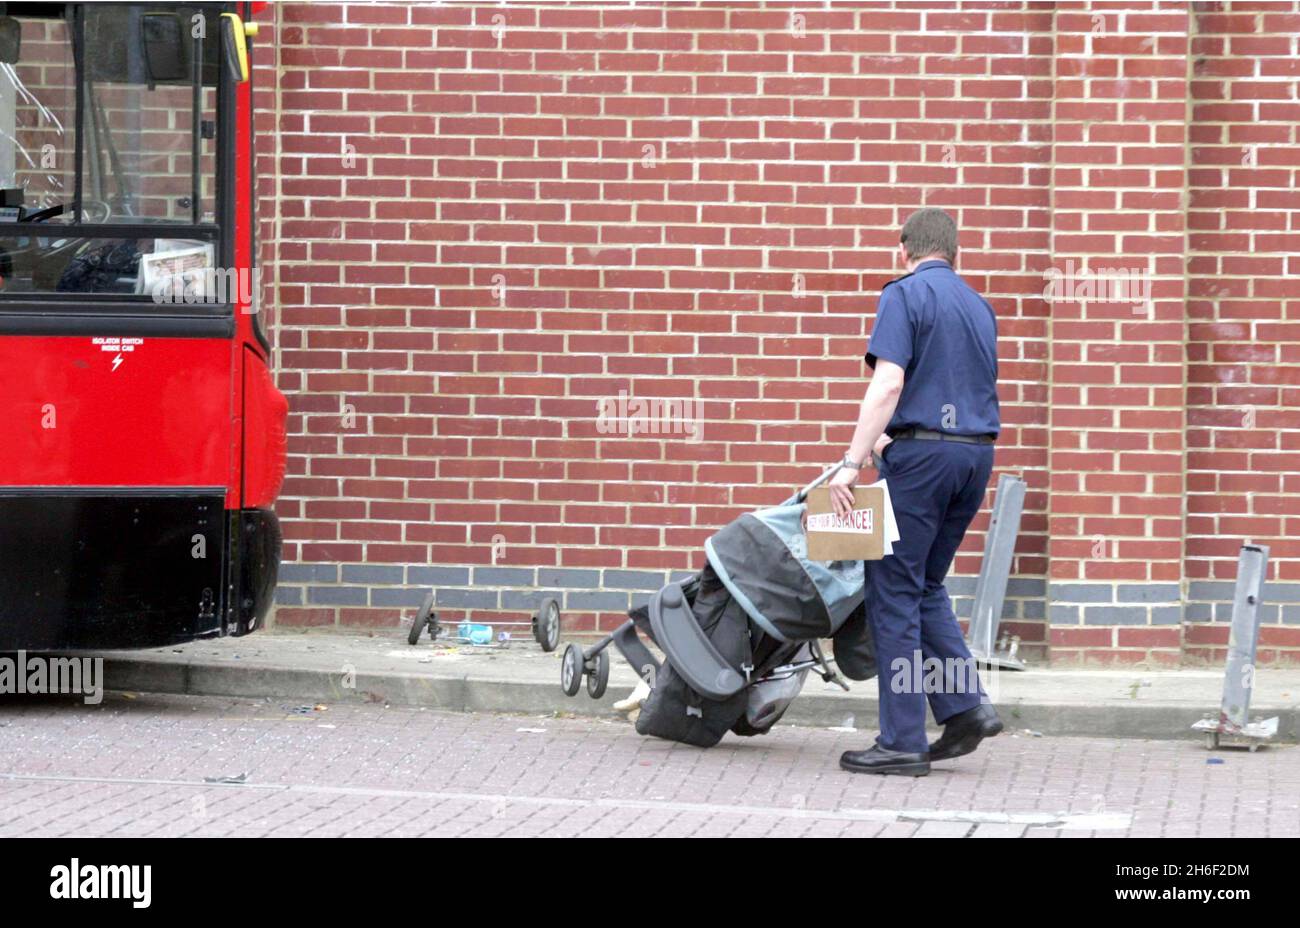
826,475
803,494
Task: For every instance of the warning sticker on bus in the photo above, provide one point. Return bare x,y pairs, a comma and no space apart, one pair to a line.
113,343
117,346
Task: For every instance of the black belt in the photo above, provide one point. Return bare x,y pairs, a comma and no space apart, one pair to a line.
931,435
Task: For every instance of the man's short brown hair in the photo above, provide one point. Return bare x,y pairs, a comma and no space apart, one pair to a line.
930,231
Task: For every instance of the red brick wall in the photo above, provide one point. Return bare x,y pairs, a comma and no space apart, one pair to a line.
486,219
1117,368
1243,306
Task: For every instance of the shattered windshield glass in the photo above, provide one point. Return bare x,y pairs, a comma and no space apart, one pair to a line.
37,100
139,134
136,82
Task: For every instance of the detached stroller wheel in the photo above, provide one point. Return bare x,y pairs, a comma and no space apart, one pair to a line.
571,670
598,679
546,624
421,620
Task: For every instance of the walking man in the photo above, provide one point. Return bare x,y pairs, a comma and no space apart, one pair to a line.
931,414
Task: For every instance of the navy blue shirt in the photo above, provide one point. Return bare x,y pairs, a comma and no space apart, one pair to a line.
944,335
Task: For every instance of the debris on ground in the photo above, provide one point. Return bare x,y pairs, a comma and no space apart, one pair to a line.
236,779
1135,686
307,710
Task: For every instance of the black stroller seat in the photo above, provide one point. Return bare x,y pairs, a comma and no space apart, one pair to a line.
689,649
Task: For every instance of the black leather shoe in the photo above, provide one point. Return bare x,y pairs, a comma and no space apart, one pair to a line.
881,760
964,731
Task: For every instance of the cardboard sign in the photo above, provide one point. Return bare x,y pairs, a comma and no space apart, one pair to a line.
860,537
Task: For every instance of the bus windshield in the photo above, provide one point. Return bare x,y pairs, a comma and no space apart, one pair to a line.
108,146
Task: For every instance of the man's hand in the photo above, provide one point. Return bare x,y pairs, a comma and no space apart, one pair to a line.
877,453
841,486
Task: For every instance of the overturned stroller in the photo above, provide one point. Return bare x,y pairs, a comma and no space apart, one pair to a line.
740,637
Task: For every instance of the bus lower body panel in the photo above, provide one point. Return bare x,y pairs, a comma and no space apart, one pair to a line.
130,568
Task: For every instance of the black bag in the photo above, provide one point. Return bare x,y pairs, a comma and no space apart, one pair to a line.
676,712
108,268
855,647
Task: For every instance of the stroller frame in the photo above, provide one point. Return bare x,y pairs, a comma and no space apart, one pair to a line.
674,629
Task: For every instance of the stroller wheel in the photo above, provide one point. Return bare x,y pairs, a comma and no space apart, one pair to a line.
598,679
421,620
571,670
746,730
546,624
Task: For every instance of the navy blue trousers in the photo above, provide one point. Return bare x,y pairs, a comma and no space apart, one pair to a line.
936,488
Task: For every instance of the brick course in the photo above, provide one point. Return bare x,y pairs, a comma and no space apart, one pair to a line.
484,221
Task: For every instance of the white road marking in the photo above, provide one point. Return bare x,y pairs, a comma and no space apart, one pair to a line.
1105,821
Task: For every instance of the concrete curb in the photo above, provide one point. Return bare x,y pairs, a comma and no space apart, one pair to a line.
1160,721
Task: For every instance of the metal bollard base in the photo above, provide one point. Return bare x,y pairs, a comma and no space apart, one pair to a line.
1003,660
1223,734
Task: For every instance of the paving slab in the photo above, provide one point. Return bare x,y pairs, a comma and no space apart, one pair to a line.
161,765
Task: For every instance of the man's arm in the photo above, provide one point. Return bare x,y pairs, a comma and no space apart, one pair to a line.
877,409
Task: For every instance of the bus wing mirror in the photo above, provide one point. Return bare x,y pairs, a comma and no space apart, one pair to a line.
163,50
11,40
234,47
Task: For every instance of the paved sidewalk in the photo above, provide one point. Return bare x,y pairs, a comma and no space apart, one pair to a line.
331,668
140,766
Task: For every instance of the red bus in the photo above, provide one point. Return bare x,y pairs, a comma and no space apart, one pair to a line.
142,438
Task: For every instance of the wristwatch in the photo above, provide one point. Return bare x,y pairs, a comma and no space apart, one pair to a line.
849,463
